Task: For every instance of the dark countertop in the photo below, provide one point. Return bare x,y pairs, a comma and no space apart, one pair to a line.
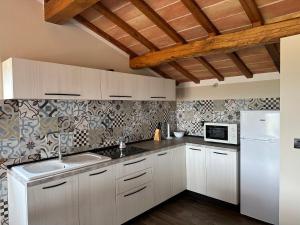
155,145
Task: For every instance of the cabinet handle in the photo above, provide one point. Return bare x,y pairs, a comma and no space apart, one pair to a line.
62,94
127,164
196,149
132,178
135,191
158,97
120,96
220,153
161,154
56,185
94,174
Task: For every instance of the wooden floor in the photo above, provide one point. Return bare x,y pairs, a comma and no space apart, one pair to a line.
191,209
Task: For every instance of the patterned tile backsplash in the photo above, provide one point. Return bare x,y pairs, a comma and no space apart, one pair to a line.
191,114
24,125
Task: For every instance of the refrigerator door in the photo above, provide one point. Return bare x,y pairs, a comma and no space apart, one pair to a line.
260,125
260,179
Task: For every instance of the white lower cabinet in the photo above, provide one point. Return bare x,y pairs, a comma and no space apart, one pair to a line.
53,203
97,197
196,169
222,175
134,202
178,170
162,176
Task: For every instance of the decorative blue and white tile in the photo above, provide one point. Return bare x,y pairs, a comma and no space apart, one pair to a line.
80,108
81,138
30,147
9,109
65,108
29,128
95,122
219,105
48,108
9,129
49,146
96,137
256,104
107,121
81,123
66,124
66,141
48,125
10,151
96,108
29,109
231,105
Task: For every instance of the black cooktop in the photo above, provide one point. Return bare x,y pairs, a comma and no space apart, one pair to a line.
116,153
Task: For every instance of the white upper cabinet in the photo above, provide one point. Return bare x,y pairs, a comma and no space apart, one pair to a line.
118,86
21,79
28,79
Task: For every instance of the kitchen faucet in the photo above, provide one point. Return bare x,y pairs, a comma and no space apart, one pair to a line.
60,156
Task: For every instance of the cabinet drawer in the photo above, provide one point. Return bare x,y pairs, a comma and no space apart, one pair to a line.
134,180
133,166
134,202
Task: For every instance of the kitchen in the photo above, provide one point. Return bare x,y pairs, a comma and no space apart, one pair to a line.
90,140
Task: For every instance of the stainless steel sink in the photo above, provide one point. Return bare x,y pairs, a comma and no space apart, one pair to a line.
51,167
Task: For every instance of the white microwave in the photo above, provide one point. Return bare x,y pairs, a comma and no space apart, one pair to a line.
221,133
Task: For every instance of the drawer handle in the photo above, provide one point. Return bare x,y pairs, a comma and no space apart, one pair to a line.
132,178
56,185
135,191
196,149
62,94
120,96
127,164
94,174
220,153
158,97
161,154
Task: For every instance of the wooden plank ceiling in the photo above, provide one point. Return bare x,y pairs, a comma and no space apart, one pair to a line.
142,26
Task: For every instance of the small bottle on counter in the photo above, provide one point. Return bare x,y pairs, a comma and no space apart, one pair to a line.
157,133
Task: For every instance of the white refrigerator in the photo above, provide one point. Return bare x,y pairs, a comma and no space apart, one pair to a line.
260,143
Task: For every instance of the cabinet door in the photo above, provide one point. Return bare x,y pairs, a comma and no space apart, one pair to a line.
54,203
97,197
90,84
170,90
178,170
60,81
118,86
196,169
162,176
134,202
21,79
222,175
157,89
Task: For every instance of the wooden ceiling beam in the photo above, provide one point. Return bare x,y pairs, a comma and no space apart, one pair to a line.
257,19
158,20
60,11
210,28
240,64
115,42
172,33
252,12
210,68
275,55
200,16
139,37
224,43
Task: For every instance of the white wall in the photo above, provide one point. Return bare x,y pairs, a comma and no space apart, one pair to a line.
234,88
290,128
25,34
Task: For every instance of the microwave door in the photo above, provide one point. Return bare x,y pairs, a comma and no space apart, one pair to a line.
217,133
